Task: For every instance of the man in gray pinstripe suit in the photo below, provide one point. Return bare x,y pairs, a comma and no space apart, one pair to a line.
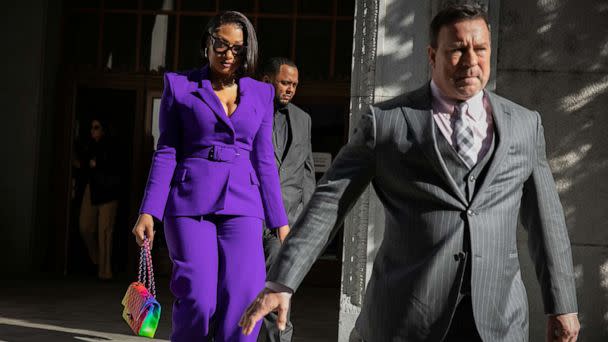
454,166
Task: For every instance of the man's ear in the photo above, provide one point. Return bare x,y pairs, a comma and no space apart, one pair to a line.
432,53
266,79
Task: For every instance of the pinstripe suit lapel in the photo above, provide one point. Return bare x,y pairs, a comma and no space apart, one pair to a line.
502,134
420,118
277,156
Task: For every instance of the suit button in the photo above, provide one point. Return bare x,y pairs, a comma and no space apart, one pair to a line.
459,256
470,212
282,169
472,178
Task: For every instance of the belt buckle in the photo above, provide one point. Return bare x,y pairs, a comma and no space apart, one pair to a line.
218,153
211,155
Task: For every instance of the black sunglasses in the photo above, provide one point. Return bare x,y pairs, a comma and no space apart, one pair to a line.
220,46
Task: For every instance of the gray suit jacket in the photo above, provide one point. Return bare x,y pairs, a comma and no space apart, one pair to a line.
416,278
296,168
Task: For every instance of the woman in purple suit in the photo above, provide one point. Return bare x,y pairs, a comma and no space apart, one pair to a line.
213,180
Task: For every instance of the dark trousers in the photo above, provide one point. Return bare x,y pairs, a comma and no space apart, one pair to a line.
462,328
269,331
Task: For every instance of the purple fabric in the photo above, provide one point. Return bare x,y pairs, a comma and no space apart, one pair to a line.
218,269
192,118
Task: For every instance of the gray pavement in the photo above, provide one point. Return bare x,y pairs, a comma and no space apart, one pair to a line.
85,309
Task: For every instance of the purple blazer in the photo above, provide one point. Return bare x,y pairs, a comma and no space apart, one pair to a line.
207,162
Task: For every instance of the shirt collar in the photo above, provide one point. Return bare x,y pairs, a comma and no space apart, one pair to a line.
443,104
282,110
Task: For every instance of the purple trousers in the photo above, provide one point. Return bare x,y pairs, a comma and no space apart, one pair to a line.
218,269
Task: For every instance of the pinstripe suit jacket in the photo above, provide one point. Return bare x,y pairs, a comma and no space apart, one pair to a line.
415,281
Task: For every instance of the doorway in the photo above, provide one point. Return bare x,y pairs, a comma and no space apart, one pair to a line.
114,110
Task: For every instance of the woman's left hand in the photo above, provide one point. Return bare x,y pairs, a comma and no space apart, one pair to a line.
283,231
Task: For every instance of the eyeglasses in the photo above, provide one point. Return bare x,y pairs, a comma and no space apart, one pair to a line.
219,46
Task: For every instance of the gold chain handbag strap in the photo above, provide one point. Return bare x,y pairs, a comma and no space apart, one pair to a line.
146,269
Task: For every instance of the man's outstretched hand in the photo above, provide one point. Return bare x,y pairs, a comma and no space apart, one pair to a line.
266,302
563,328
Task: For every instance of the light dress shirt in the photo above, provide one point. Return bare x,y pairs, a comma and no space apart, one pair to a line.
478,117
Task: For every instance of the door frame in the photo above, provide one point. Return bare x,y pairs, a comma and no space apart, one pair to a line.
141,84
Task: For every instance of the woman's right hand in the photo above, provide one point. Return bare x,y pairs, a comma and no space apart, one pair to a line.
144,227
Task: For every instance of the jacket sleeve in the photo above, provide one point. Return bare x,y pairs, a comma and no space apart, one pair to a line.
265,167
309,170
335,194
548,241
164,159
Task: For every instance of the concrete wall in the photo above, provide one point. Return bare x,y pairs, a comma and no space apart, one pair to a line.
25,129
553,57
401,61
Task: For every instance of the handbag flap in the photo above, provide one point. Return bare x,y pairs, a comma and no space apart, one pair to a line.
136,300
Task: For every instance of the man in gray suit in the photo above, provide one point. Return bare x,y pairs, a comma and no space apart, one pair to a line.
454,166
293,154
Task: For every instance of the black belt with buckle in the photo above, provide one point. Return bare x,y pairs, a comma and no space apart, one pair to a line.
221,153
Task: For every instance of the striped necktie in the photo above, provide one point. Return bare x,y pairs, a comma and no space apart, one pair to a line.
463,135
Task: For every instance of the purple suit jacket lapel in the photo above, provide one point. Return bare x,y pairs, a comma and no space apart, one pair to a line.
205,90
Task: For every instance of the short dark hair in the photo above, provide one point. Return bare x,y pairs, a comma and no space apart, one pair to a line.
249,65
272,66
455,12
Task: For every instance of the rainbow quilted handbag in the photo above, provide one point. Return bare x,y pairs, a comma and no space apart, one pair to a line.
141,309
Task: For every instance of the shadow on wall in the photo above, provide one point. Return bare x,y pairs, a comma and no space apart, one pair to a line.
553,57
402,41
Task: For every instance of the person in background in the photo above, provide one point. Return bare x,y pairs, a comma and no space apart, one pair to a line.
100,168
291,136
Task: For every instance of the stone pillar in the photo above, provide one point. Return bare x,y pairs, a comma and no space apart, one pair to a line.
357,224
389,58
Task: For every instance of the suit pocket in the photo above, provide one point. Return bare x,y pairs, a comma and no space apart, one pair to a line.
254,179
179,175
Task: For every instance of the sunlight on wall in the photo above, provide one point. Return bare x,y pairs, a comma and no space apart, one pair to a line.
604,49
578,100
569,210
398,50
549,5
545,28
408,20
548,57
564,162
604,283
563,184
578,275
604,275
